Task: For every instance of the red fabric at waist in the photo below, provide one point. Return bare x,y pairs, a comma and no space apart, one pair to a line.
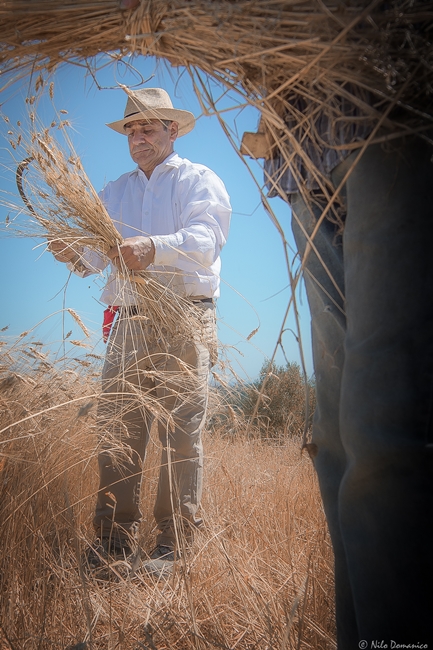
109,316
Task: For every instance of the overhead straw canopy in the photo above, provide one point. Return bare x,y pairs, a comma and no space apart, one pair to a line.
263,42
291,59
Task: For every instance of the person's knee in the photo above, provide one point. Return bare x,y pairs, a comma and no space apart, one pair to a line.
186,448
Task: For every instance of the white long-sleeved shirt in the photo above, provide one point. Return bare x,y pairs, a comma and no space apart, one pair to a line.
185,209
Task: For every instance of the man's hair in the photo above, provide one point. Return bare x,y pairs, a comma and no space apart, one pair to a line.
165,123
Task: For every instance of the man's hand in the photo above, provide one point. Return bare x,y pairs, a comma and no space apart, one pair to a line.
63,252
137,253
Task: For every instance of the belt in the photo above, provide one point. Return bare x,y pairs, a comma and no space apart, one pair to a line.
134,310
203,300
131,310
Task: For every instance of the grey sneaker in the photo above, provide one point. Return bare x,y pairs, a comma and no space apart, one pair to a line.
161,562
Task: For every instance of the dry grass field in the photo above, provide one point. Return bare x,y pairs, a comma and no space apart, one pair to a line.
260,575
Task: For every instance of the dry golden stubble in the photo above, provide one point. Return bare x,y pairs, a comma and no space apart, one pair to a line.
261,570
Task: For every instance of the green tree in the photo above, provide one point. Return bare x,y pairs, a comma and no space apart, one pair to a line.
276,403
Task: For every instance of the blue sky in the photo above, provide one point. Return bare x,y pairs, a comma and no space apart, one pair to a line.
36,288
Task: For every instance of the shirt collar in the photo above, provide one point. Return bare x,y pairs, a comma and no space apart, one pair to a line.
172,160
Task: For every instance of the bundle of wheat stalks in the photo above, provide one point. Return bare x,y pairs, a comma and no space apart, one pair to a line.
62,205
272,53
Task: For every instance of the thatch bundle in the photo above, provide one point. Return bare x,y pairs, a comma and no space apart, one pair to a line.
292,59
263,45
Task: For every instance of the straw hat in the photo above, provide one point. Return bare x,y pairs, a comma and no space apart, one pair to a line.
153,104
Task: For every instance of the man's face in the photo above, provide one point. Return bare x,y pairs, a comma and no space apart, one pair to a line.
150,142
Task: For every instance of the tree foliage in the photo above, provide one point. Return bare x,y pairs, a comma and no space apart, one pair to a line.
273,407
277,401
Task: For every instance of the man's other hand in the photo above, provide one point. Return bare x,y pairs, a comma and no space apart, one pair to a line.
137,253
63,252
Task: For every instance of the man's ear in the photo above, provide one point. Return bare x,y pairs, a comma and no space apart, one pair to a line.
174,131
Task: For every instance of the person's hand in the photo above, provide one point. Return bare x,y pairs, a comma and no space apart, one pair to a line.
63,252
137,253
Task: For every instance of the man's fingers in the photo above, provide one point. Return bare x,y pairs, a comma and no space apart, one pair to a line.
56,246
114,254
62,251
116,251
136,255
126,253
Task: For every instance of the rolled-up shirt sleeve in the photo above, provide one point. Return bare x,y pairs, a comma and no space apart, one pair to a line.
205,217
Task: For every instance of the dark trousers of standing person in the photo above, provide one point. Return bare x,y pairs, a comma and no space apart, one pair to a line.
372,332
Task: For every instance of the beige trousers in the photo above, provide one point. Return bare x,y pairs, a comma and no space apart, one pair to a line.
143,379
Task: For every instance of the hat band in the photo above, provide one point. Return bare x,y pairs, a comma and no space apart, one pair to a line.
151,110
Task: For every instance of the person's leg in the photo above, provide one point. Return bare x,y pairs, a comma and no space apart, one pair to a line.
124,424
385,499
184,396
328,324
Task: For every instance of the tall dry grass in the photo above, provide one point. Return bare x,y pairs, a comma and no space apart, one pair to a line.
260,575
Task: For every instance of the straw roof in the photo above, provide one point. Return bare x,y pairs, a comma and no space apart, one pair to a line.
270,51
267,46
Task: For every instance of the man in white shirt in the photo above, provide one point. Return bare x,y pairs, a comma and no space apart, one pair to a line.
174,217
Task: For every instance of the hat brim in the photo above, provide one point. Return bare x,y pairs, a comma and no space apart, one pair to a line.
185,119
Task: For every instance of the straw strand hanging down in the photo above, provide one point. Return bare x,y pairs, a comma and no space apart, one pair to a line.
62,205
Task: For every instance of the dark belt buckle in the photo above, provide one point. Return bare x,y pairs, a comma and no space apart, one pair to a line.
197,302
